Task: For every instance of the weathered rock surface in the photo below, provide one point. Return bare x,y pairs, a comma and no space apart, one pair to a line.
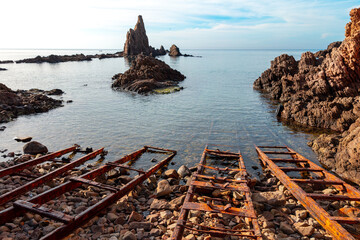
174,51
23,102
137,42
147,74
34,148
322,90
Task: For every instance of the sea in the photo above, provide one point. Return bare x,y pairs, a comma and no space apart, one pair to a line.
217,106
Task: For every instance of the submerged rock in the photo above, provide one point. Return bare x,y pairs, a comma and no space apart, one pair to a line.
3,69
323,90
147,74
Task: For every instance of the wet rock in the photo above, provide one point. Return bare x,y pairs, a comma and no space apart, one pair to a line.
2,128
163,188
3,69
23,139
147,74
34,148
55,91
56,59
184,171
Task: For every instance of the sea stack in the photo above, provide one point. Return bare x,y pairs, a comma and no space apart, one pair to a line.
174,51
136,40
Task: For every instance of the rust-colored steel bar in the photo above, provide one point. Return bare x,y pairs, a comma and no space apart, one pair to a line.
89,213
47,177
56,215
19,167
7,214
188,204
333,227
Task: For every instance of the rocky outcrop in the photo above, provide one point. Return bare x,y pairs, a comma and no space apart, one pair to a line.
69,58
34,148
22,102
6,61
137,42
147,74
174,51
322,90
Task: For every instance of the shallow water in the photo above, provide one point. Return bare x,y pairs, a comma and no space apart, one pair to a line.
218,105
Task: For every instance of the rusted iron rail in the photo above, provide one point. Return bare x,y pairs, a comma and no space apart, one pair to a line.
19,167
6,197
316,175
202,182
73,222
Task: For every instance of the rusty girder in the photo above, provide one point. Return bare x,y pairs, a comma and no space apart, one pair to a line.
197,198
317,176
73,222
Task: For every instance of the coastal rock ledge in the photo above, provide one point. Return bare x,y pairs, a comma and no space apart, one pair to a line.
147,74
323,90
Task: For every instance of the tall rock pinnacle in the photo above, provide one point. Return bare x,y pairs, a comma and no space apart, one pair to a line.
136,40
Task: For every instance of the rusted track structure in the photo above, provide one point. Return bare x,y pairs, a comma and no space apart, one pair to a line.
40,180
317,177
200,197
73,222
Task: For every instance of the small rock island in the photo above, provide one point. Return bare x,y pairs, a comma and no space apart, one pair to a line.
146,74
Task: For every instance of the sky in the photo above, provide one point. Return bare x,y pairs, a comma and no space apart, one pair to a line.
190,24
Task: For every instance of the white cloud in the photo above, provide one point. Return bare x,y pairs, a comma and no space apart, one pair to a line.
103,23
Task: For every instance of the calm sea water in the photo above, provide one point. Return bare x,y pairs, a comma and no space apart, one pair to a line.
218,105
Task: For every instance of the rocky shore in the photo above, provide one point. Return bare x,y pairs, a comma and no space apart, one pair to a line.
322,90
151,210
147,74
24,102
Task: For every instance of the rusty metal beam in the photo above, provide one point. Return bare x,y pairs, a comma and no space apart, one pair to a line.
19,167
47,177
331,224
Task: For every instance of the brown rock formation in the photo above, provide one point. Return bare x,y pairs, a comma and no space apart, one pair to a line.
147,74
322,90
21,102
174,51
137,42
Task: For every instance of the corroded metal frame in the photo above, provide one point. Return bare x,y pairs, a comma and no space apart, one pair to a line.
330,223
199,181
73,222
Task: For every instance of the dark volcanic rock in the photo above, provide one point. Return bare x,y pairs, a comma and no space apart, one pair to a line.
322,90
3,69
22,102
6,61
57,59
137,42
34,148
147,74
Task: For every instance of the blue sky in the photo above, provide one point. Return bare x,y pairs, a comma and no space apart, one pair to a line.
212,24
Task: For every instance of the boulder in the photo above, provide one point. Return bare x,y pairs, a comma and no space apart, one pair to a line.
34,148
174,51
184,171
163,188
129,236
275,198
171,173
